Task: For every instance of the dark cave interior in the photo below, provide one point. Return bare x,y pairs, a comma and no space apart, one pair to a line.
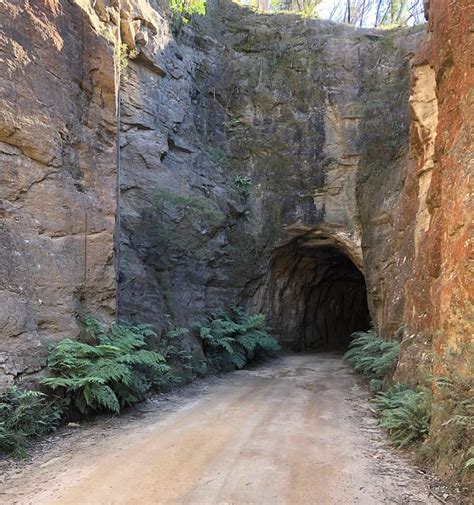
316,297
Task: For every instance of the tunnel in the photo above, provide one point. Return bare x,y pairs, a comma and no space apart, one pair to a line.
315,296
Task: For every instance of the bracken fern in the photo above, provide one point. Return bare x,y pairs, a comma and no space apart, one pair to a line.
23,415
233,338
179,354
113,371
405,413
372,356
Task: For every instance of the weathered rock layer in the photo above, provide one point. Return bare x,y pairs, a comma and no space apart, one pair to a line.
58,177
249,142
266,160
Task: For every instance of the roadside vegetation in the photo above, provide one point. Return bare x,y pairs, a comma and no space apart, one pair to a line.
111,369
233,339
437,419
114,370
25,415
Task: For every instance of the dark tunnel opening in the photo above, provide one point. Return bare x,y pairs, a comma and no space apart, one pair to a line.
336,306
315,296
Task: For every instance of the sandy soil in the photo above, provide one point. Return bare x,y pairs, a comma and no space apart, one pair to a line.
297,430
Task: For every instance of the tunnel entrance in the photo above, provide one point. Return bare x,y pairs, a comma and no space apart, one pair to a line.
336,305
315,296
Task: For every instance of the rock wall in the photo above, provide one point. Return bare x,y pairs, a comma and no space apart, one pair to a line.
420,255
438,310
443,148
58,177
259,155
177,201
243,137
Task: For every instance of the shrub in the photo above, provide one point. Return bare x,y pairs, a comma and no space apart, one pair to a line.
24,415
187,8
372,356
450,442
242,181
231,339
124,55
184,10
113,371
405,413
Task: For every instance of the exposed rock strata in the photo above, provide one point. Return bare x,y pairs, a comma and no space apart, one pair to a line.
279,100
58,177
316,115
441,271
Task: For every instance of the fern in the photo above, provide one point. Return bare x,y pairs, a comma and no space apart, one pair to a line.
114,371
456,406
460,420
231,339
405,413
372,356
177,332
25,415
178,351
470,461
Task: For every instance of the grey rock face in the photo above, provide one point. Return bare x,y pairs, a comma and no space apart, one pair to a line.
57,178
247,167
281,103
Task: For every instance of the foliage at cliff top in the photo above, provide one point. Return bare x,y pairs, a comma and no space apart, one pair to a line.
354,12
185,9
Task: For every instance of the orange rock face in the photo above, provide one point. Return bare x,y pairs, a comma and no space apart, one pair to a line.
440,293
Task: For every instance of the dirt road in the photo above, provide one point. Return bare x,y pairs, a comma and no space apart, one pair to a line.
294,431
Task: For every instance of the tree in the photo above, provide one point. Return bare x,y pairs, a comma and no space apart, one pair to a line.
305,7
377,12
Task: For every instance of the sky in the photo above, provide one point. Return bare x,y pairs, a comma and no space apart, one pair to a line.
324,9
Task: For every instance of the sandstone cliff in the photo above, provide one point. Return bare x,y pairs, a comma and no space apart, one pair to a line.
286,104
58,177
265,160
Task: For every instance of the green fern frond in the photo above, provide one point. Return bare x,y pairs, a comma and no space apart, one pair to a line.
117,371
405,413
142,357
238,359
24,415
93,327
177,332
371,355
101,396
248,342
232,338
